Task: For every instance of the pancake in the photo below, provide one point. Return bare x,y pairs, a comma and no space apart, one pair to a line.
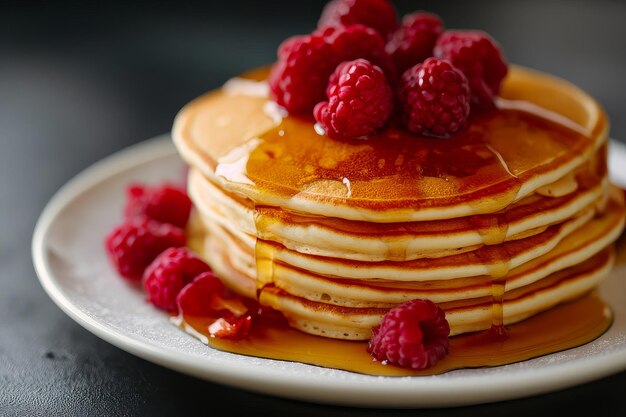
365,241
495,224
488,260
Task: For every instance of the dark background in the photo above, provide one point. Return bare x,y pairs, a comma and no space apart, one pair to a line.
79,81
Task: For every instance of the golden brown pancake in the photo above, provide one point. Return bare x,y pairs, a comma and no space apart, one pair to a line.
367,241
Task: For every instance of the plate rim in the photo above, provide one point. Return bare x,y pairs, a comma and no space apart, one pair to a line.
394,392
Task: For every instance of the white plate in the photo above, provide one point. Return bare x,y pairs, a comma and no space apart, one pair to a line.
71,263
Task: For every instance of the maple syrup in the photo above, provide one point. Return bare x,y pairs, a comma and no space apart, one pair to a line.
562,327
281,160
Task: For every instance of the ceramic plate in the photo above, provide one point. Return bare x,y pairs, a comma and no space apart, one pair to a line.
72,267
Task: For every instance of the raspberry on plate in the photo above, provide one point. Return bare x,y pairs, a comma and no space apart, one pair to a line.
359,101
412,335
199,297
164,203
435,98
206,296
380,15
134,244
231,327
479,57
169,273
414,40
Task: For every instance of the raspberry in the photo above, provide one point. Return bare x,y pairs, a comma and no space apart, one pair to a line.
199,297
380,15
206,296
358,41
435,98
285,48
164,203
359,101
479,57
414,40
412,335
268,316
169,273
305,62
231,327
299,76
134,244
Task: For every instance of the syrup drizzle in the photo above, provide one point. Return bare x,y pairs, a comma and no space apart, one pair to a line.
264,253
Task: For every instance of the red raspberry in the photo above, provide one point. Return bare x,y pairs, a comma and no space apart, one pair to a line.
286,46
199,297
435,98
165,203
358,41
169,273
412,335
231,327
305,62
206,296
359,101
414,40
481,60
380,15
134,244
300,75
268,316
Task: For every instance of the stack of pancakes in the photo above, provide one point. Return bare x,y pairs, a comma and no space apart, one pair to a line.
498,223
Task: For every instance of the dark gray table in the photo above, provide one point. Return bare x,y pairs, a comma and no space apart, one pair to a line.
79,82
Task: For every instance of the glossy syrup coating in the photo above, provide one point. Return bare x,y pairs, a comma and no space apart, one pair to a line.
395,175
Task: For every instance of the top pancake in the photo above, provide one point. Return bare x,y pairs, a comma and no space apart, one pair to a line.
544,129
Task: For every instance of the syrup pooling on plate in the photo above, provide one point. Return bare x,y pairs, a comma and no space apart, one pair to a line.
563,327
